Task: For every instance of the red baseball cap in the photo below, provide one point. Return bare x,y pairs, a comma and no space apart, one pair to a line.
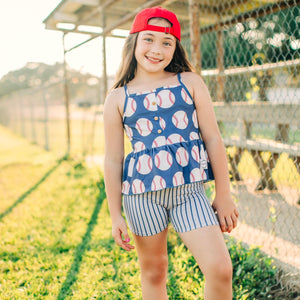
141,20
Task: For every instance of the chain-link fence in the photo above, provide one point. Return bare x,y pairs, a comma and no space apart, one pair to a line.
251,66
250,61
40,116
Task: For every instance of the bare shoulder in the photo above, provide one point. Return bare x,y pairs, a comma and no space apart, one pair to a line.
192,78
193,82
115,100
115,95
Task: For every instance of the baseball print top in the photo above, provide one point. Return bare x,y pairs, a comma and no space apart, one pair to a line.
167,148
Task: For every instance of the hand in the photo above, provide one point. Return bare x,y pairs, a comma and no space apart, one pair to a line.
120,234
227,212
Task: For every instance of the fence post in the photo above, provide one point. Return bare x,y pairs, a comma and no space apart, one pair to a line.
195,34
220,64
67,100
22,117
104,72
33,134
46,146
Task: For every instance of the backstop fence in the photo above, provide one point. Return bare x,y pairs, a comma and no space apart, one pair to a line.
251,66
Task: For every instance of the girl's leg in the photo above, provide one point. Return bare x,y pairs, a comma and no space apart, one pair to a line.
153,259
209,249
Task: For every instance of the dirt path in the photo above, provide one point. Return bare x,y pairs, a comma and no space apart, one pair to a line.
272,222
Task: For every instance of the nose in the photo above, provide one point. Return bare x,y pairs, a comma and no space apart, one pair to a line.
156,48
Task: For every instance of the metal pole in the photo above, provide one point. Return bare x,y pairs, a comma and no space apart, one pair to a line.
33,135
104,71
220,65
195,35
67,100
22,117
46,121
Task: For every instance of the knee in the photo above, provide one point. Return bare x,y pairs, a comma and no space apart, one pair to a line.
225,272
155,270
221,271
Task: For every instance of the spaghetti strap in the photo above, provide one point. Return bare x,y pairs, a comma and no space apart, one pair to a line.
183,85
126,90
179,78
126,100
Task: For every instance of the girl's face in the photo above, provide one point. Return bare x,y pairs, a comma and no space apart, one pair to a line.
154,50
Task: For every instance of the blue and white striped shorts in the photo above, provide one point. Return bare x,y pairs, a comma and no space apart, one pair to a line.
186,206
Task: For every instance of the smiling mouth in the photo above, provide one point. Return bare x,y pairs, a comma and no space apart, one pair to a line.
154,60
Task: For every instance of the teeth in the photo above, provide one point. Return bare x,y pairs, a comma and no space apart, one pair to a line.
153,59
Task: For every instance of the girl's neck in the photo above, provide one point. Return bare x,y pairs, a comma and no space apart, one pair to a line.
150,80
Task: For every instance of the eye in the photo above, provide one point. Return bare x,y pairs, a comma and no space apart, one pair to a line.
148,40
168,44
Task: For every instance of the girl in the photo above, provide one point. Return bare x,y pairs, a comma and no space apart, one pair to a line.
163,107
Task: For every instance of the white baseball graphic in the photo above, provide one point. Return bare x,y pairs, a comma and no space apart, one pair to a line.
187,99
174,138
130,108
159,141
139,146
162,123
125,187
180,119
144,126
182,157
195,175
130,167
144,164
138,186
128,131
195,120
178,179
158,183
163,160
165,99
194,136
150,102
196,154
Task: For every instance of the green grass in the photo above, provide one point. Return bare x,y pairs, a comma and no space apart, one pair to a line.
56,237
82,142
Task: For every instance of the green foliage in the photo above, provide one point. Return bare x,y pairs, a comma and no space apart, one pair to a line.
56,238
254,275
35,75
30,76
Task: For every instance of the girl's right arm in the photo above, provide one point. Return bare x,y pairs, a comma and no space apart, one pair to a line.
113,165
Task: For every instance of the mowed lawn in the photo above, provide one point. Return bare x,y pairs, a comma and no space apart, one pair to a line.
56,237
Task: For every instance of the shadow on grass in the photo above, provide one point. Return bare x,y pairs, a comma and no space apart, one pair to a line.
82,247
28,192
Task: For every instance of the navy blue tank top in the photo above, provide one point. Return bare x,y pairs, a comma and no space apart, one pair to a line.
167,149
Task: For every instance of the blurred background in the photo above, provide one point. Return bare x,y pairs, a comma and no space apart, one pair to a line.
58,60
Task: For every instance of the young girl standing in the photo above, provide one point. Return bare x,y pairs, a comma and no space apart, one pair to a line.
166,111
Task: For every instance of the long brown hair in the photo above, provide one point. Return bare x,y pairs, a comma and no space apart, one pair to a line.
127,70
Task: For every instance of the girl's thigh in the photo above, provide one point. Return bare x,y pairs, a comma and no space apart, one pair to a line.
152,249
208,247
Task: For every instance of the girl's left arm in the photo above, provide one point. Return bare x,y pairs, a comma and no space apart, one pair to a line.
223,203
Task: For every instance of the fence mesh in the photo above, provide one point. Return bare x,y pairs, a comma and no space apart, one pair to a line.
251,66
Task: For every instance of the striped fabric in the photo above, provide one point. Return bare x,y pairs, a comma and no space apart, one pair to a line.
186,206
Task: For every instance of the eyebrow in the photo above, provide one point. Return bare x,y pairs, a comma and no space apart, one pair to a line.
166,37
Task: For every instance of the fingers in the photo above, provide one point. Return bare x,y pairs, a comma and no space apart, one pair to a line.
121,238
228,223
236,213
222,223
235,219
